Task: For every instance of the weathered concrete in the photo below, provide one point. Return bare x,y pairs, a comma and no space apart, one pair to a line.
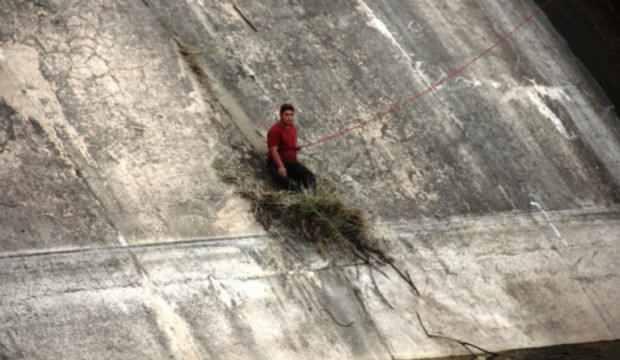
508,279
520,121
112,113
108,87
501,282
142,128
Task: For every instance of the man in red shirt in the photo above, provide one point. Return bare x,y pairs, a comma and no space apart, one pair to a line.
286,171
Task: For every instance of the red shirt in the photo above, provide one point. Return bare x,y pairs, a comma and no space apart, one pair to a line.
285,138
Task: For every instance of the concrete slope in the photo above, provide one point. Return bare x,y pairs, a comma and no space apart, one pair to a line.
497,193
504,281
526,119
100,91
517,280
141,124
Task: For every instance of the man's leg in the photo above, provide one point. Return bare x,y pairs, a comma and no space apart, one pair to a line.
302,175
282,182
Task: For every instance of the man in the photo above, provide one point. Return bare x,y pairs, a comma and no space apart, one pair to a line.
286,171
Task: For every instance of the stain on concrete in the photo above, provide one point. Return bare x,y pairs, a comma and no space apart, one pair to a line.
7,132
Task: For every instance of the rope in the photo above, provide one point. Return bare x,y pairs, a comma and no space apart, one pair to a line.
431,88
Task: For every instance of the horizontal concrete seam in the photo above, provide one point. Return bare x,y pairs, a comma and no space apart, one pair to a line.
224,240
69,292
501,220
206,242
509,215
158,285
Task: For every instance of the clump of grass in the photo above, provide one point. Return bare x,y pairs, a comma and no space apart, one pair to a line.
319,216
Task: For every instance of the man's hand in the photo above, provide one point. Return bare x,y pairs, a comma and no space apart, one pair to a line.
282,171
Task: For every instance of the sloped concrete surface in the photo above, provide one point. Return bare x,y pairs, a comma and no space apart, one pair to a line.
507,279
216,301
481,280
107,86
519,121
498,193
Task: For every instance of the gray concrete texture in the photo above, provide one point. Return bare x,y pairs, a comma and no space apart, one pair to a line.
497,192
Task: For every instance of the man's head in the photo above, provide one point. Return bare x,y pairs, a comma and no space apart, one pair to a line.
287,114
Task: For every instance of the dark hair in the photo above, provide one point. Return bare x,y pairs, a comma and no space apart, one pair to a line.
286,107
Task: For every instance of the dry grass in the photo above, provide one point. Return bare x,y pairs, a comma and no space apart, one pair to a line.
320,217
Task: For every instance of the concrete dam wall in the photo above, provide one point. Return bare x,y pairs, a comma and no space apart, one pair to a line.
497,192
592,33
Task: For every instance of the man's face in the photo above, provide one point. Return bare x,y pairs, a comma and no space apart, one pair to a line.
288,117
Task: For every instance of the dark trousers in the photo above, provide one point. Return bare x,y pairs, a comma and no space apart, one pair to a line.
298,176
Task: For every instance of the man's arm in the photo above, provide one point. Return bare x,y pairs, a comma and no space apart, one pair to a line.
273,141
276,158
